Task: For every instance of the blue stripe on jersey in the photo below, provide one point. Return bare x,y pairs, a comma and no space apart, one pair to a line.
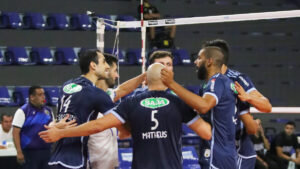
193,120
213,137
118,116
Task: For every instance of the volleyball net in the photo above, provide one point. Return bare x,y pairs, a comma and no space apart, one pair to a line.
267,51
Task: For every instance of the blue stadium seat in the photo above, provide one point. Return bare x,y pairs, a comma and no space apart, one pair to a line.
65,56
52,95
3,21
133,56
5,99
42,55
34,20
125,158
17,56
11,20
190,158
80,22
181,57
20,95
122,60
57,21
2,57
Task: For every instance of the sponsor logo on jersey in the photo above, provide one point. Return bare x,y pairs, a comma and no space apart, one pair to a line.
232,86
72,88
47,112
154,103
244,81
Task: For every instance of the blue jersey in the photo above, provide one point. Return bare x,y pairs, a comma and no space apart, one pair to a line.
223,151
35,119
155,119
83,101
244,144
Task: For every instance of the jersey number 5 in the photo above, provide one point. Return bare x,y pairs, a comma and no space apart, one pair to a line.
153,119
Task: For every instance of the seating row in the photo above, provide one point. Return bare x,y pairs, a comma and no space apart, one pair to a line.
69,56
17,96
57,21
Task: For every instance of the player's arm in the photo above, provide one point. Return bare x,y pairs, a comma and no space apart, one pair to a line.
249,122
128,86
255,98
53,134
124,132
17,142
202,128
202,105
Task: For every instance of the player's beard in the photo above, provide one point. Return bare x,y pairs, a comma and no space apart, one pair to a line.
110,82
202,72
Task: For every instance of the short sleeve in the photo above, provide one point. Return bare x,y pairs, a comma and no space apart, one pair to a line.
121,111
246,83
189,116
215,88
242,107
19,118
103,102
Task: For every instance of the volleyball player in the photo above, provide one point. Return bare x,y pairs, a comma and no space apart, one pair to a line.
218,100
155,118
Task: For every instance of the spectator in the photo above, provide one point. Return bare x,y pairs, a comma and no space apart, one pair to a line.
29,120
261,143
283,146
160,37
5,130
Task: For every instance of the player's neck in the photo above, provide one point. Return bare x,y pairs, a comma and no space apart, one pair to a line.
102,85
213,71
157,87
224,69
91,77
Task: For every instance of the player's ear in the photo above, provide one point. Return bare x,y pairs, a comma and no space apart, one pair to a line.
93,65
209,62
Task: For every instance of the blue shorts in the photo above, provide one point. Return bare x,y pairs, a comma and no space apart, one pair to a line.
246,163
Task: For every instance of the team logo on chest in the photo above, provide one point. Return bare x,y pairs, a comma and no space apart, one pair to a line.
154,102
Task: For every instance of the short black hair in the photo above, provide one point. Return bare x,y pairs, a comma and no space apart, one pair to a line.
31,90
222,44
5,114
110,59
159,54
86,57
292,123
216,54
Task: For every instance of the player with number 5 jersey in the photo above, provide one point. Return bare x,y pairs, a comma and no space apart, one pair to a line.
155,118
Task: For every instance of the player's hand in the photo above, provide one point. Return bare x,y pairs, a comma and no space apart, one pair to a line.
242,94
20,158
167,76
51,135
63,124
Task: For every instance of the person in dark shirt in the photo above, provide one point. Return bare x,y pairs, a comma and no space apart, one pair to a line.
284,145
155,118
160,37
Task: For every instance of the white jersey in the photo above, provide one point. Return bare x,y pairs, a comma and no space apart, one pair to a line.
103,146
5,137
